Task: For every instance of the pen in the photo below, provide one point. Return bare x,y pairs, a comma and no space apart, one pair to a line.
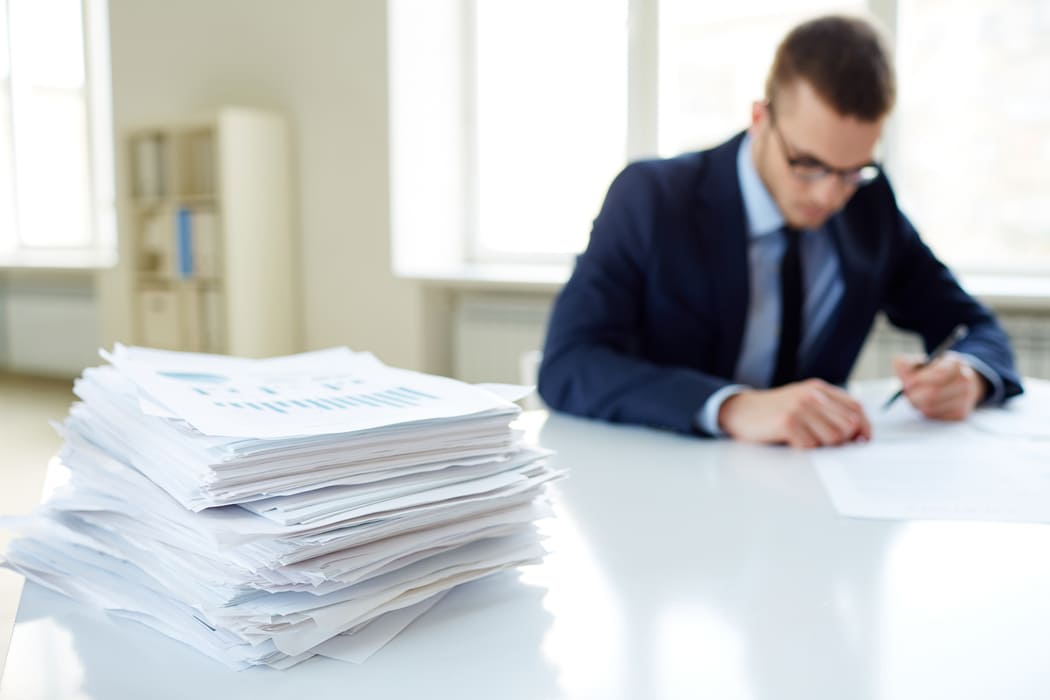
957,334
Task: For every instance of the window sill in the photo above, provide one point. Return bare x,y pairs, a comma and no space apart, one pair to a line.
1014,293
73,261
1010,292
493,277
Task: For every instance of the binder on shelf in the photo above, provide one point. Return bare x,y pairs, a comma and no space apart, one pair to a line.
197,244
184,243
157,251
149,166
204,228
202,164
196,193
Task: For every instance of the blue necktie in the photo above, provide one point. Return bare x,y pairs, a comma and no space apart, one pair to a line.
791,298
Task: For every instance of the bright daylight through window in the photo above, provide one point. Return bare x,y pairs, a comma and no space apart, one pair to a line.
966,148
56,183
551,107
971,147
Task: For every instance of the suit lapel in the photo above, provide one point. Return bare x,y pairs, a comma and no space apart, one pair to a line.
720,226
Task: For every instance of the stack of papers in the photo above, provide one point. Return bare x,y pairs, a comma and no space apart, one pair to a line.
264,511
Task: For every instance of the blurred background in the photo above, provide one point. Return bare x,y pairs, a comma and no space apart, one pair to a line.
414,177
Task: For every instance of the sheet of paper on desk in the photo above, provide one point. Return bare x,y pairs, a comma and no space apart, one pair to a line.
902,423
328,391
961,474
1026,415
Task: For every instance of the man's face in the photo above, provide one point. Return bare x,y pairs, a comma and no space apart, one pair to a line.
801,126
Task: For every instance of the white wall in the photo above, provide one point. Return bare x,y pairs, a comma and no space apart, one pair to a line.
4,332
322,62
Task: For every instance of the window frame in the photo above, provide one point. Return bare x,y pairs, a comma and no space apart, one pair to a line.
434,227
100,243
642,117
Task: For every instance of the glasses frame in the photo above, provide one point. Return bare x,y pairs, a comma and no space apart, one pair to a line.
810,169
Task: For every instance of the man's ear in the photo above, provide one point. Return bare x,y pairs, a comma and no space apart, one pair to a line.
759,116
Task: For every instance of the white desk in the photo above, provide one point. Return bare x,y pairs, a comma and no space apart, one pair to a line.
683,568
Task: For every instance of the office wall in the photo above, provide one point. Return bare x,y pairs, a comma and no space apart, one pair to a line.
4,332
322,62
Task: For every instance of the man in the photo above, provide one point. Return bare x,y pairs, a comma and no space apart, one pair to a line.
729,292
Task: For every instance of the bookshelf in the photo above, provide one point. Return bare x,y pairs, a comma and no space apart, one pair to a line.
211,234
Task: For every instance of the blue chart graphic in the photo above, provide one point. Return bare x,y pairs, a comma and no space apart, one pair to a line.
397,397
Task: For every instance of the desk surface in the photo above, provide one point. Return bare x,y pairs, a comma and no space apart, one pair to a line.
681,568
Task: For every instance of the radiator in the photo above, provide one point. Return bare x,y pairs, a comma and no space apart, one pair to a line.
49,330
497,338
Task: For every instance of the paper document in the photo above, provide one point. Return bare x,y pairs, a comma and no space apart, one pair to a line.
922,469
1024,416
330,391
975,479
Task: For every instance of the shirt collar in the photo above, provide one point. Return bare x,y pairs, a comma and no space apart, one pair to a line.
763,216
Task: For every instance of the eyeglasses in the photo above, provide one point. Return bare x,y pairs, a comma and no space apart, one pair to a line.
809,169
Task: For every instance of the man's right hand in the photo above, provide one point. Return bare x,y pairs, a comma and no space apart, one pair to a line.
811,413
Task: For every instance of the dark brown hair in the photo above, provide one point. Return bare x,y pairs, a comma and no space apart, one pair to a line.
844,59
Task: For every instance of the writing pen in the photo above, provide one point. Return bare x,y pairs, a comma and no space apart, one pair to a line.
957,334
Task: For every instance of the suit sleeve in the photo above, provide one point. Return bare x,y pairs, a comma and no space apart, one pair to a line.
593,364
925,297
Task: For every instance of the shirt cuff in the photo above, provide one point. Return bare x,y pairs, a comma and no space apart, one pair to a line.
707,417
998,392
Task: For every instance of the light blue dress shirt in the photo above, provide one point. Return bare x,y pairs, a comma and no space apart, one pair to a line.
822,276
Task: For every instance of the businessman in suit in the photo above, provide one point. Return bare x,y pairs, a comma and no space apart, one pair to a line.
729,291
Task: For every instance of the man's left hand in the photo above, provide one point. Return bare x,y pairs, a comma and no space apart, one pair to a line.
946,389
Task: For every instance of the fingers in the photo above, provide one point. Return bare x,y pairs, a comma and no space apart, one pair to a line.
940,372
954,409
907,365
832,420
804,414
813,413
947,389
928,395
824,415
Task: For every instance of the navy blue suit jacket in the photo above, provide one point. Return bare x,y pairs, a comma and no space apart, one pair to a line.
651,322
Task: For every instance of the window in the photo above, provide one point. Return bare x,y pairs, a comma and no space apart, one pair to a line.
56,173
554,97
550,121
971,142
713,63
